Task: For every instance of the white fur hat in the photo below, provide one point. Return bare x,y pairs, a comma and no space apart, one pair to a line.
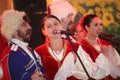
61,9
10,21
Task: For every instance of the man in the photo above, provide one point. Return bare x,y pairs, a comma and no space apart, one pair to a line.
3,41
64,11
18,61
3,45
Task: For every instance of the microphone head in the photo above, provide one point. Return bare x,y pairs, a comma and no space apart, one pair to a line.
106,36
67,32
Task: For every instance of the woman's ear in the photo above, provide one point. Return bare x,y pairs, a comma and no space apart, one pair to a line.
43,31
87,28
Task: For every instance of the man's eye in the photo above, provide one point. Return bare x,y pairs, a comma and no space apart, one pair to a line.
24,24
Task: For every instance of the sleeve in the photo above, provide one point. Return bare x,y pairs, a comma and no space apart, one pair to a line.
114,57
117,57
17,67
36,54
40,61
1,72
95,69
114,62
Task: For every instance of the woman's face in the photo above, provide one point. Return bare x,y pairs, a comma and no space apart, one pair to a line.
52,28
95,27
80,33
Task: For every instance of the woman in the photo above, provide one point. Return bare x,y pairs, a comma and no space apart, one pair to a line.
54,50
80,32
95,46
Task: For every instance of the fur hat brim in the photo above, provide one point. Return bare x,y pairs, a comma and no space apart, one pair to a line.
61,9
10,21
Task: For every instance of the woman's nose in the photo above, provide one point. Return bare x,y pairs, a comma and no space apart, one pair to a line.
54,27
100,27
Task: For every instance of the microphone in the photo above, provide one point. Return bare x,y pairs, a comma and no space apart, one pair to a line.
107,35
109,38
67,32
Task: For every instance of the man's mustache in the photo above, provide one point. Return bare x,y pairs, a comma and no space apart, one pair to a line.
29,31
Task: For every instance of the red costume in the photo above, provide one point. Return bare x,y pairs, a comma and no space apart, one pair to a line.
4,61
93,52
3,43
3,48
50,64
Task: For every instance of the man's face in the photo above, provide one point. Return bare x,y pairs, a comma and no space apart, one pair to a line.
67,21
24,32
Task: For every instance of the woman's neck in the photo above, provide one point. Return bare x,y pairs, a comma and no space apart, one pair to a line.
56,44
91,39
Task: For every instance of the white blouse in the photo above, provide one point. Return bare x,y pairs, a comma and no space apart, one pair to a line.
99,69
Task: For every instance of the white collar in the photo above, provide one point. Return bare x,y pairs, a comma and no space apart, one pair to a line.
19,42
24,46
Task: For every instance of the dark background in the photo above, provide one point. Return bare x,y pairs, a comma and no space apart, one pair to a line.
36,10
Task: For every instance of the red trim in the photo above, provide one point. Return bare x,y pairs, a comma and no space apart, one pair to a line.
4,63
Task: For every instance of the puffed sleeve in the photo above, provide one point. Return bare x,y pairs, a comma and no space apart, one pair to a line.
114,62
97,70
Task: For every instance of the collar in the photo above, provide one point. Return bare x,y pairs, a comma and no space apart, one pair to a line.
19,42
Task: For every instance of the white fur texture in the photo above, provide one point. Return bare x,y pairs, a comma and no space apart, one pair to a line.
61,9
10,21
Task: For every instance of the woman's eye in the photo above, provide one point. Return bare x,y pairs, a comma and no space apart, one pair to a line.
96,25
56,24
101,24
49,26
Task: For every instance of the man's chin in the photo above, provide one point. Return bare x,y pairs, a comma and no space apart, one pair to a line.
27,40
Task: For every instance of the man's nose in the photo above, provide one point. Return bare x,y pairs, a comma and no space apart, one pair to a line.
29,27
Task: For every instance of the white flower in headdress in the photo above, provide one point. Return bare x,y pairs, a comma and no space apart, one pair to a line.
10,21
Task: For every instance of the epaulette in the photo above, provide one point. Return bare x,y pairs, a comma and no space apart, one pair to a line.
14,47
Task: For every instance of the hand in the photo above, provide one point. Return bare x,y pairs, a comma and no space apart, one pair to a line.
37,76
108,51
1,72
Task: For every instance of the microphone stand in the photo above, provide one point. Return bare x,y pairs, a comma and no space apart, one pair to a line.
75,51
